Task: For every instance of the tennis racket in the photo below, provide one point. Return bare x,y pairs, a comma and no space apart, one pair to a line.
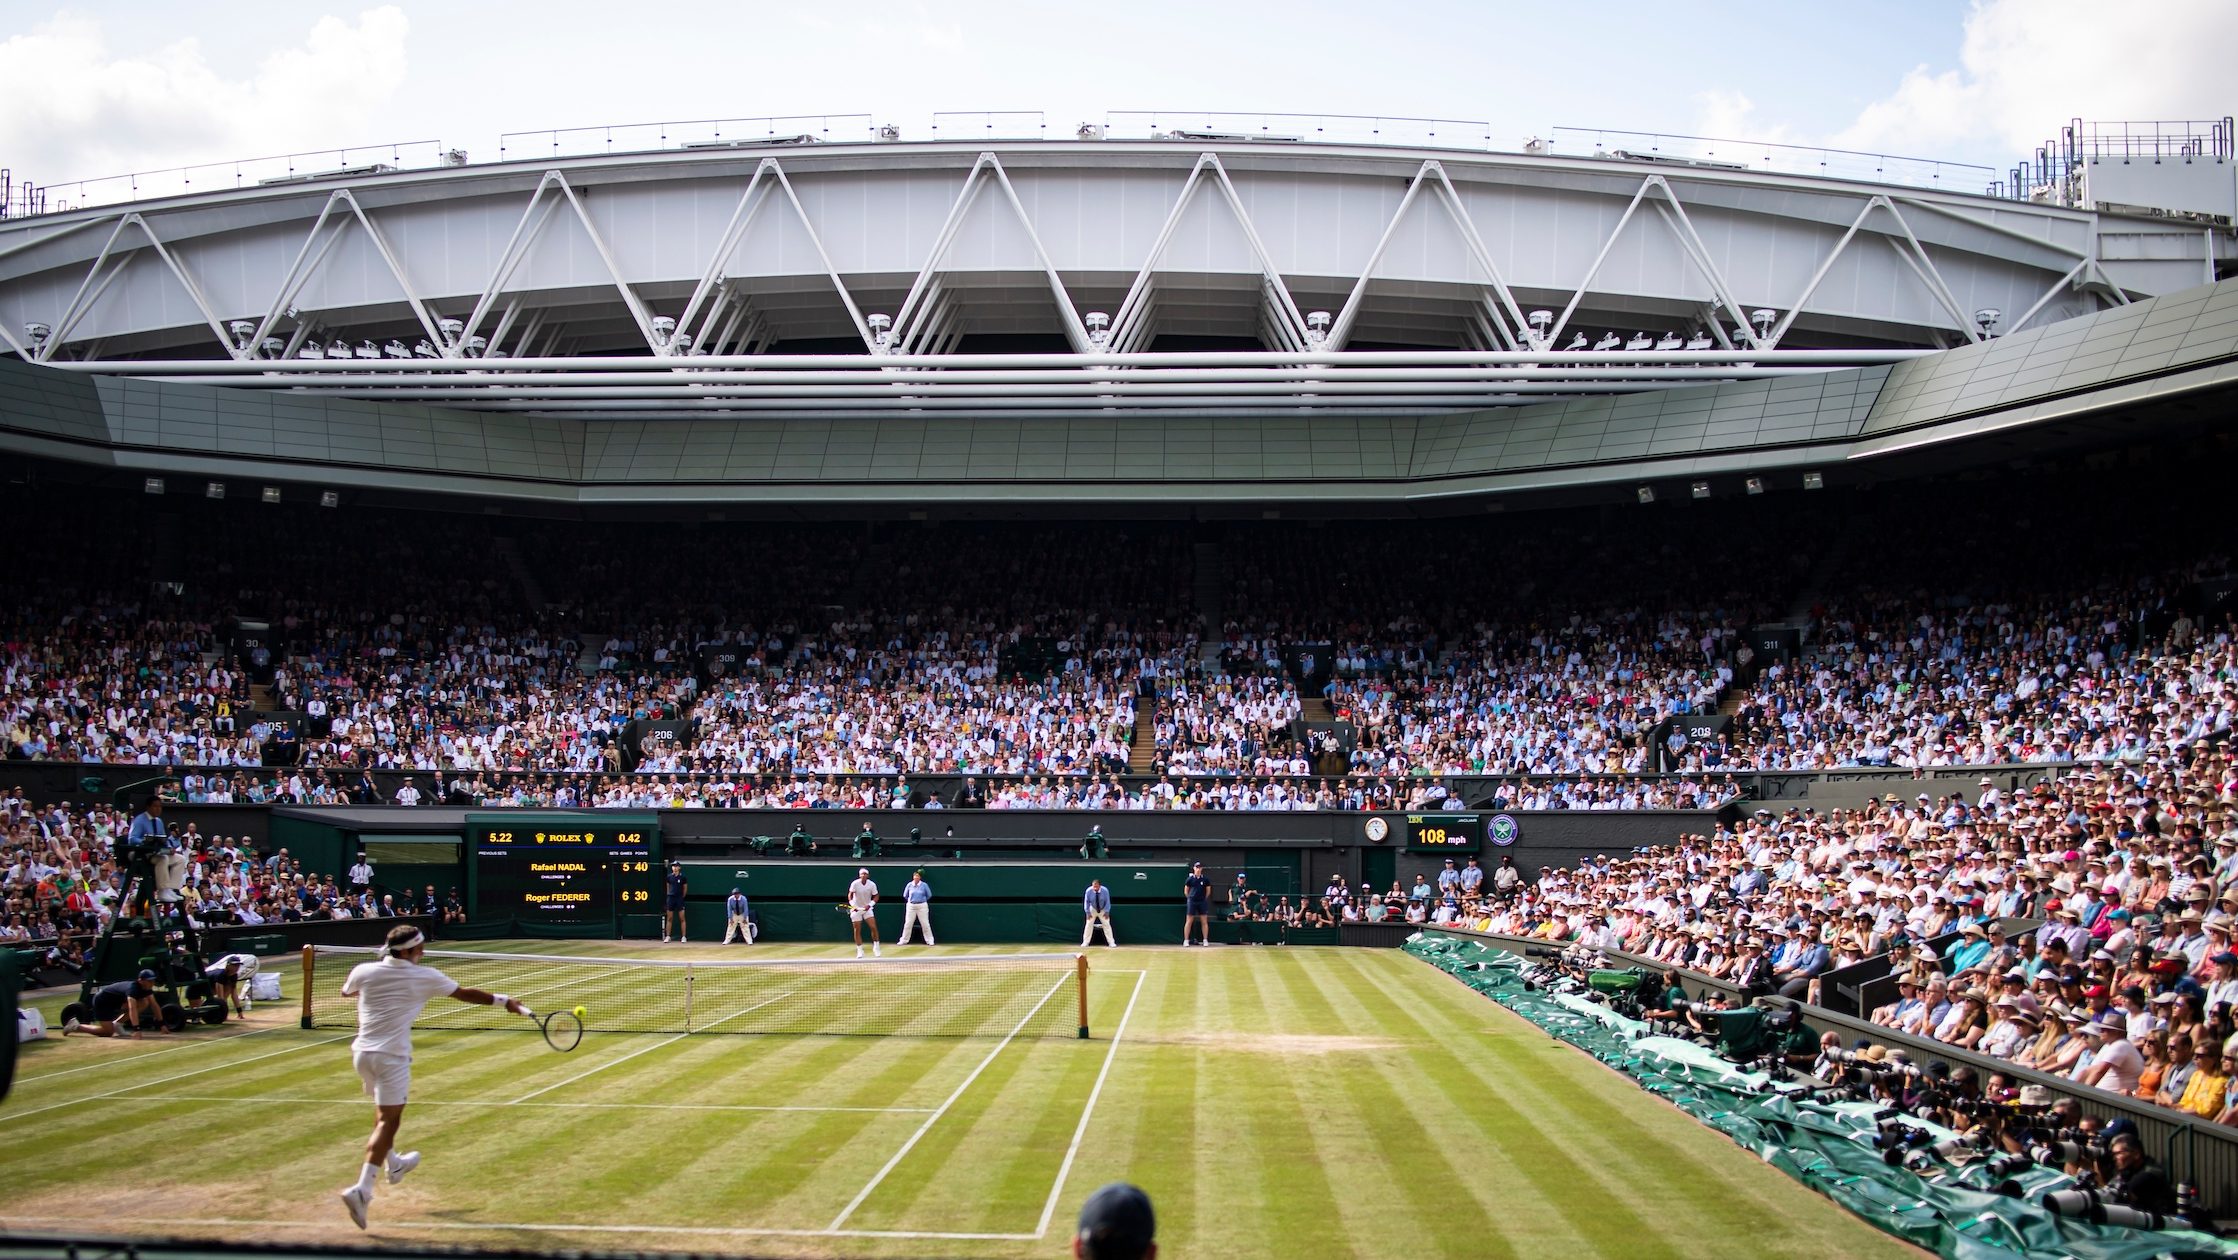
563,1030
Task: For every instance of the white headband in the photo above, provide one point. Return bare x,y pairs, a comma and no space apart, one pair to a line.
417,938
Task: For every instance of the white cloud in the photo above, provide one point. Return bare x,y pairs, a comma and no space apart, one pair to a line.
70,107
1724,115
2028,66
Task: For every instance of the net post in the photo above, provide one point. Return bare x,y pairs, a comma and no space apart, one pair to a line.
1080,968
310,953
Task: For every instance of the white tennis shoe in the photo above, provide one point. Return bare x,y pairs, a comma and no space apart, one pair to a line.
402,1164
874,950
356,1201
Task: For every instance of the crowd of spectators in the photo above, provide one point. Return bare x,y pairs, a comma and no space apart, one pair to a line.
63,873
2131,984
1551,647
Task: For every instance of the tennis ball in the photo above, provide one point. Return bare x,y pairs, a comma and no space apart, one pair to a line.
581,1011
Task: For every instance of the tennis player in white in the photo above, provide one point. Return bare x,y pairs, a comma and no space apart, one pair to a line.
862,903
390,995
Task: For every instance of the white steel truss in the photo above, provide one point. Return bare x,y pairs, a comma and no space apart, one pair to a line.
728,333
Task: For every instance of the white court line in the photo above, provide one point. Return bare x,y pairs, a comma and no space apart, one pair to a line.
161,1080
124,1060
1065,1170
926,1127
728,1231
648,1049
215,1067
499,1102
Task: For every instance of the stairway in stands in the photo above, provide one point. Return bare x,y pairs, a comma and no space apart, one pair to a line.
1144,751
516,564
1212,601
1315,709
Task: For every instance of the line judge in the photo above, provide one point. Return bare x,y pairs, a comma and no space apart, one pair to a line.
916,908
1096,905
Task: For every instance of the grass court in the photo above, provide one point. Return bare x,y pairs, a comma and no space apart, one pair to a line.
1297,1101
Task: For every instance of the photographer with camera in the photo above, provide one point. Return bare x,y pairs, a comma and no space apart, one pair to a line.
2135,1193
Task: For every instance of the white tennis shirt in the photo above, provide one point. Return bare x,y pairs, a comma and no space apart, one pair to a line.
390,995
861,894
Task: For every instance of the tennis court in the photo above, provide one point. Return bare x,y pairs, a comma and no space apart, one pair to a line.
1308,1101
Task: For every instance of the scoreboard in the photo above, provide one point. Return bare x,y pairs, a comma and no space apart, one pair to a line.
1450,833
572,874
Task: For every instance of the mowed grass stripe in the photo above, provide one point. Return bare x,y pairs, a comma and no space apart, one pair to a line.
798,1183
1286,1136
987,1164
1575,1190
1599,1117
1640,1146
1158,1150
1315,995
1557,1101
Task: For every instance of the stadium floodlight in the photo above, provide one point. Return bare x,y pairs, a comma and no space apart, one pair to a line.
1699,341
450,328
423,349
1754,485
1541,322
1814,481
1577,342
37,333
1099,329
1646,494
396,350
328,498
1763,317
214,490
1669,341
311,350
1987,317
1317,329
476,345
881,332
664,329
1608,341
1089,131
152,485
681,342
888,133
271,494
274,347
1700,489
243,332
338,349
367,350
1640,341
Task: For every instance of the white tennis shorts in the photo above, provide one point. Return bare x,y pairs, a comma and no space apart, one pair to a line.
387,1077
859,916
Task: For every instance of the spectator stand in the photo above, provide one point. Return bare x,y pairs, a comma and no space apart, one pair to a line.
2191,1149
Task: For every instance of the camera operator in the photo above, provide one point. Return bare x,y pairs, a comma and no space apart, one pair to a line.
1662,997
2138,1179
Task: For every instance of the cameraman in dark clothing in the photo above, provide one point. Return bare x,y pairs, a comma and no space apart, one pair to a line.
2138,1179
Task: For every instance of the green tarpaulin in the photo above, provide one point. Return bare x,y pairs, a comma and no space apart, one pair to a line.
1826,1145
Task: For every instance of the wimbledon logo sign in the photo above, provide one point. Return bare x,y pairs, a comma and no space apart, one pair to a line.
1504,830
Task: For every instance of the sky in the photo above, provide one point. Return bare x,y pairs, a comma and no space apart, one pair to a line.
112,86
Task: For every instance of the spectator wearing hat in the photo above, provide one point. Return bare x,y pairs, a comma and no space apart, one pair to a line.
2115,1063
1116,1223
2222,979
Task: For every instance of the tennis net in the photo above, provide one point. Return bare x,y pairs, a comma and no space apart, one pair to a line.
953,996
